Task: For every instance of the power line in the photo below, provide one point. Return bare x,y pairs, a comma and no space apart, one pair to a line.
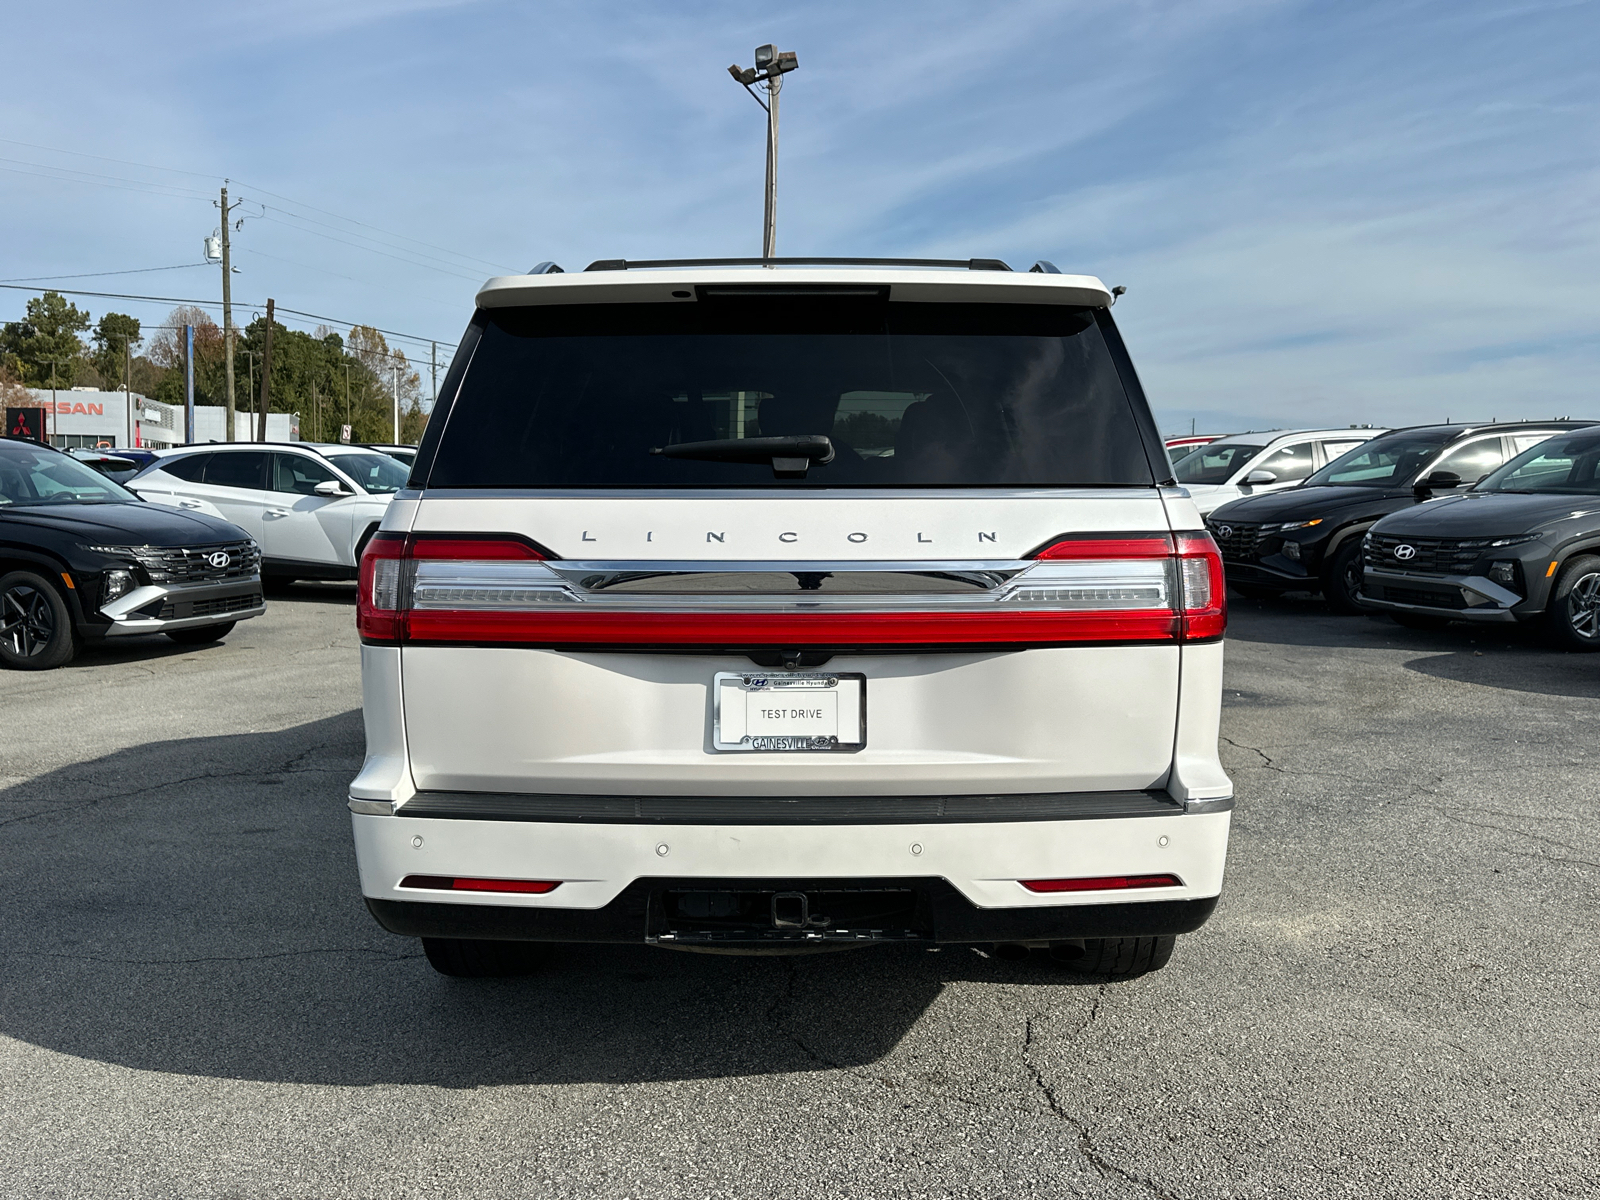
411,337
147,189
93,274
374,250
102,158
365,225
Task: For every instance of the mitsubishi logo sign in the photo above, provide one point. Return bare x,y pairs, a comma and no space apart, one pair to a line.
219,559
1404,552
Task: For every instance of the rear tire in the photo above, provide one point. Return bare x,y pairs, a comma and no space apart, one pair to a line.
1341,579
1418,620
1572,616
1115,958
203,635
36,631
470,958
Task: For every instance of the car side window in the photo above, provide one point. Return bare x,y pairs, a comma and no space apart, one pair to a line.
1332,450
298,474
1290,465
240,469
1474,460
188,467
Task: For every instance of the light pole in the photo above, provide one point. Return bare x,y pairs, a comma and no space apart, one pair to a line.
771,66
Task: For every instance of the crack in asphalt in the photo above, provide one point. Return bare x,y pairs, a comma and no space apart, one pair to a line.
1092,1153
291,768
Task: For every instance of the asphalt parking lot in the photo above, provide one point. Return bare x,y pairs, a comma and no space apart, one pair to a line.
1397,996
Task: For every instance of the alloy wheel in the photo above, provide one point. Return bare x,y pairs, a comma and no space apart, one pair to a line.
27,623
1583,606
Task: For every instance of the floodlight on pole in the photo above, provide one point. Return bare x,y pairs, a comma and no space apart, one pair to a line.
771,66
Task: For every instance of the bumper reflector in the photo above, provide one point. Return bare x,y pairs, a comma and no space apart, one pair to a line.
450,883
1101,883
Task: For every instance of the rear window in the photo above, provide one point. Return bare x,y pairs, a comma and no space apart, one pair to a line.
911,395
1214,463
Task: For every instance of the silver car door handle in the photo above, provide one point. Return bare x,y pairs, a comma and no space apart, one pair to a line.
277,512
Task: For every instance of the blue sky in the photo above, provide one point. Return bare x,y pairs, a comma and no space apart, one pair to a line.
1323,212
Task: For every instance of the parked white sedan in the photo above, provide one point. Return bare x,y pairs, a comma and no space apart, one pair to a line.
311,509
1247,464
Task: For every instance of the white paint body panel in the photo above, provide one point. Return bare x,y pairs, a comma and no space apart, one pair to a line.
983,861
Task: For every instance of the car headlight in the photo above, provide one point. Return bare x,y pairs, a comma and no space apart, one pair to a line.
1299,525
116,582
1518,540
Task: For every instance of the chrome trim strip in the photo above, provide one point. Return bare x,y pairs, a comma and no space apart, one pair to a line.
1220,804
371,808
1136,491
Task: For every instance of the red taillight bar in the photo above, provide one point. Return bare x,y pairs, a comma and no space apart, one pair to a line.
1101,883
383,616
452,883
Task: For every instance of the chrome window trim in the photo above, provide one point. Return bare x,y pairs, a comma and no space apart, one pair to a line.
1139,491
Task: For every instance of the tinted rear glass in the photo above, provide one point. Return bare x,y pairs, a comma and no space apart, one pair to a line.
1215,463
919,395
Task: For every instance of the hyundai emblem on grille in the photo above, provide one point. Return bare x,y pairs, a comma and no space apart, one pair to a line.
1404,552
219,559
1225,530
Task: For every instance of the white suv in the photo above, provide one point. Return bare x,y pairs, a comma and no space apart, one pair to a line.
311,508
1248,464
790,608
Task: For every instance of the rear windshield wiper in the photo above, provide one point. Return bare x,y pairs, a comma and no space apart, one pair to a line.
791,457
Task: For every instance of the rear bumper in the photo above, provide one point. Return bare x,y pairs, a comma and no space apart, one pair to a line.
980,862
919,910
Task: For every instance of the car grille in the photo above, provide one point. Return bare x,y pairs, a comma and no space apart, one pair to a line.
182,610
1428,599
1431,556
195,566
1239,541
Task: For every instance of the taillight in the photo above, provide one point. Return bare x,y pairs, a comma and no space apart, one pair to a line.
1101,883
1205,593
461,589
379,601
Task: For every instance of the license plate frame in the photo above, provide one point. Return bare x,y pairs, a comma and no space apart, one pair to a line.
731,734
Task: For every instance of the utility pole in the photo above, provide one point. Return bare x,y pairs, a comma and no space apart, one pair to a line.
433,365
346,400
227,314
266,374
395,367
771,66
127,386
188,383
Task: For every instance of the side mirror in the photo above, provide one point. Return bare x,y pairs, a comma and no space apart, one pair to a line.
331,487
1439,479
1261,477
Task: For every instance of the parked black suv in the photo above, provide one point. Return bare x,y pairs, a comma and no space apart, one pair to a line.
1309,537
1522,545
83,557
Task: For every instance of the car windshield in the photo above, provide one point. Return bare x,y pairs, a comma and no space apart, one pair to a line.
1560,466
1215,463
921,395
375,472
35,475
1388,461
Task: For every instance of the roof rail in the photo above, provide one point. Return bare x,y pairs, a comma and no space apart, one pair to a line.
547,268
964,264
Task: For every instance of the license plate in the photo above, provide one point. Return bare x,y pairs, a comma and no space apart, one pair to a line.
758,711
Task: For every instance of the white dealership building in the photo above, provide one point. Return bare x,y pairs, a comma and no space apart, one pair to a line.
88,417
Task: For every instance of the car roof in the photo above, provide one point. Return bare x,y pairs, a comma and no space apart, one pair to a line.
1265,437
617,281
1460,428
